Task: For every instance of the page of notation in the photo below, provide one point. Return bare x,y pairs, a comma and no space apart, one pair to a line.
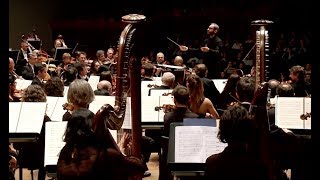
288,111
307,107
31,117
58,111
148,112
99,101
93,81
14,112
51,104
194,144
159,92
165,100
54,141
65,91
19,83
145,88
25,84
220,84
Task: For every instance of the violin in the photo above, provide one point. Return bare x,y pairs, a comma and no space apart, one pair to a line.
166,94
152,86
68,107
305,116
166,108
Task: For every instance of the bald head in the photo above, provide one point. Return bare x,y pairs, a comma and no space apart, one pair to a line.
168,79
104,85
178,61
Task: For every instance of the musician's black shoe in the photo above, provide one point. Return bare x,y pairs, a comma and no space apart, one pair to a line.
146,174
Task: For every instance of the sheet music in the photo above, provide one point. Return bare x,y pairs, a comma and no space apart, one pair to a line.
114,134
51,104
288,111
148,112
164,100
196,143
31,117
22,83
65,91
145,88
127,118
14,112
220,84
307,109
99,101
54,141
159,92
58,111
93,81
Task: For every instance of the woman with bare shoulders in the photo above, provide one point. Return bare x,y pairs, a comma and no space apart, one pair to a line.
198,102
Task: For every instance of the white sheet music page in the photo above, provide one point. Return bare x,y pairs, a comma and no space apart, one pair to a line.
127,117
159,92
19,83
25,84
307,109
58,111
31,117
288,111
148,112
93,81
220,84
145,88
165,100
51,104
196,143
65,91
99,101
54,141
14,112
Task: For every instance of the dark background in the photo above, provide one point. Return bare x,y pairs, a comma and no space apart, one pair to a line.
97,24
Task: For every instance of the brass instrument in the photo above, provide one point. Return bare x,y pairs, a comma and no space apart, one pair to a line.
262,49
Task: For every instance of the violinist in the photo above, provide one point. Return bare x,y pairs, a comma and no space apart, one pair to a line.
160,59
181,100
80,95
22,59
63,66
298,83
168,80
59,42
14,94
12,70
148,72
40,71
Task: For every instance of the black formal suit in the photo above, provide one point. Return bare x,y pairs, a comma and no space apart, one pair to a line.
27,72
21,62
175,116
210,90
235,163
37,81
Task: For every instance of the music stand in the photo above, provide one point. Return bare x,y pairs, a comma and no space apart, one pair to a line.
14,54
60,51
35,43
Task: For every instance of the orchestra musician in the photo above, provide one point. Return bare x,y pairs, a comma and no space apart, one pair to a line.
59,42
181,100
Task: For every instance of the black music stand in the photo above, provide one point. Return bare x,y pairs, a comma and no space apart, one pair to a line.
59,52
14,54
35,43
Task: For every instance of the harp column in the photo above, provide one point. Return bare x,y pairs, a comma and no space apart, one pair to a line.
262,66
135,88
